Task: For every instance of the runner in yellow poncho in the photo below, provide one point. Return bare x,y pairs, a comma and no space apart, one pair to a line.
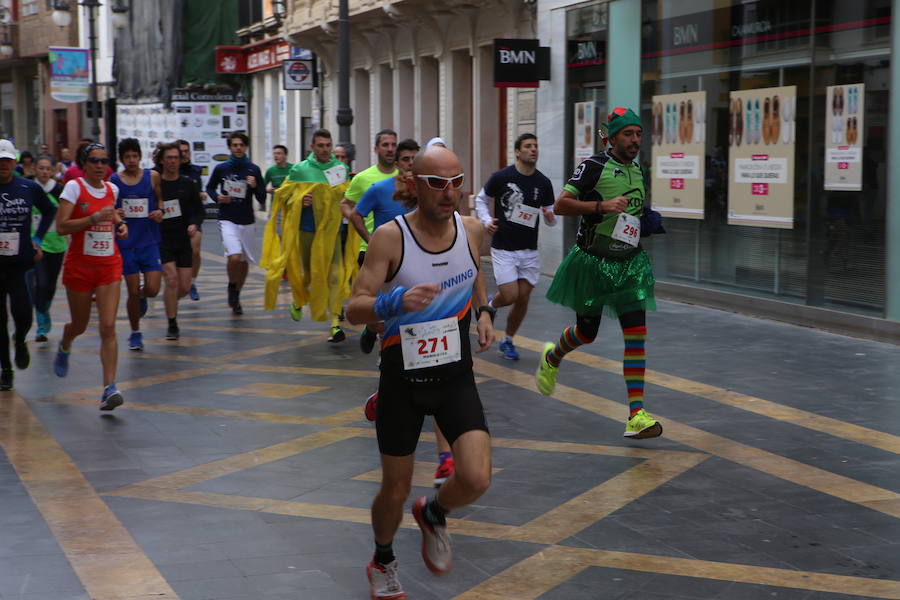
309,248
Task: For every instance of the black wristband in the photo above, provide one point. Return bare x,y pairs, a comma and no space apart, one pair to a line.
485,308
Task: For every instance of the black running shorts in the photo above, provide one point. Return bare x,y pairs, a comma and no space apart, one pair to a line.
182,255
402,407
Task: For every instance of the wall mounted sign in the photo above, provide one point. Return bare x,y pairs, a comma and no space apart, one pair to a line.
678,142
520,63
298,74
762,133
844,126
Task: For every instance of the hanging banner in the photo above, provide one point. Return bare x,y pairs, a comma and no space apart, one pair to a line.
679,154
761,136
70,79
204,120
844,112
584,131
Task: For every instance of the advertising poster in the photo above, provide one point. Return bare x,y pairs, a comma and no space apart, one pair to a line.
679,150
584,131
69,74
204,122
761,136
843,137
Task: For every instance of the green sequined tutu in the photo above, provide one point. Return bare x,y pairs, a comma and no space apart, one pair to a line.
591,285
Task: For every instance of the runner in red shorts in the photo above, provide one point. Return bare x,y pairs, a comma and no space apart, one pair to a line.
93,264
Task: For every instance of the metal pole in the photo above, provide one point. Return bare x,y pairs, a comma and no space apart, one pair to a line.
92,39
344,112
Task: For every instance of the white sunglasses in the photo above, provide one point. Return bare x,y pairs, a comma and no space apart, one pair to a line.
436,182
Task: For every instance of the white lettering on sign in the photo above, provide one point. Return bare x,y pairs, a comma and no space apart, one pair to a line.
772,170
844,154
686,34
517,57
674,166
755,28
586,51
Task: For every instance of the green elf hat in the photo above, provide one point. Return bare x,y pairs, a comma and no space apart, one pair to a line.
621,117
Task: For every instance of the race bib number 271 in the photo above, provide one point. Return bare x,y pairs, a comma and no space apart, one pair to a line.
430,344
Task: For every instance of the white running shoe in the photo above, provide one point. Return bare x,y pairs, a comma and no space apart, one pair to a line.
436,551
384,581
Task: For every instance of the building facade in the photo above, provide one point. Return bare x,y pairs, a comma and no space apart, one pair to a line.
804,85
423,70
28,114
277,115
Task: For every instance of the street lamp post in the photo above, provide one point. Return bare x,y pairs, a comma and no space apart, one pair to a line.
92,40
63,18
344,112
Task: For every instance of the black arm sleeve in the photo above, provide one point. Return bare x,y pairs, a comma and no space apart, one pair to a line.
48,212
196,212
212,184
260,190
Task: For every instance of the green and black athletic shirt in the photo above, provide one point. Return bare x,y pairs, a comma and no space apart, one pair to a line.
602,177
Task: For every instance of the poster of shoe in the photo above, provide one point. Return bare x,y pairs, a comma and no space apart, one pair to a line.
762,135
678,144
843,140
584,131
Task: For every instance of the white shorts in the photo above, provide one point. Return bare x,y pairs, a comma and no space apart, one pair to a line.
237,239
512,265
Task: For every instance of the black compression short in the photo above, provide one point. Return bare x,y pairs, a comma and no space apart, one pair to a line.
182,255
402,407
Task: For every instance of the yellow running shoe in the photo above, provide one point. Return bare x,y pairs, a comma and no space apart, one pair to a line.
642,425
545,377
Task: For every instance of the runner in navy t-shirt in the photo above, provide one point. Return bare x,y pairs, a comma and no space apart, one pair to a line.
18,252
521,195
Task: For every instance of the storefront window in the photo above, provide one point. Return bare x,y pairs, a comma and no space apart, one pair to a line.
586,52
826,248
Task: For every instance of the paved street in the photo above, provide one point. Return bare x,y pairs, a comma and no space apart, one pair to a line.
241,466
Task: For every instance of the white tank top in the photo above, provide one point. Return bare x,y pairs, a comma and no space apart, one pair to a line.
454,269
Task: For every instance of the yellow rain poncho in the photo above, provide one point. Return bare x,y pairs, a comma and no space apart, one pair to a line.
283,254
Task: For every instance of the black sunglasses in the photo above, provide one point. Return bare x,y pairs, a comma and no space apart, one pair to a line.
97,161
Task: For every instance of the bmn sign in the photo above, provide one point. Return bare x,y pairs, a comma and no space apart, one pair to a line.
520,63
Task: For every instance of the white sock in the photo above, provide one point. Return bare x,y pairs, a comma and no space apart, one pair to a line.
507,339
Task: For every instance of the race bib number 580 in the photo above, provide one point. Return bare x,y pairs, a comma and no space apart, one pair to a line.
136,208
430,344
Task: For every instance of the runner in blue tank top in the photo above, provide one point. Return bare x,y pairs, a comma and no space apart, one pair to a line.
422,279
137,204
